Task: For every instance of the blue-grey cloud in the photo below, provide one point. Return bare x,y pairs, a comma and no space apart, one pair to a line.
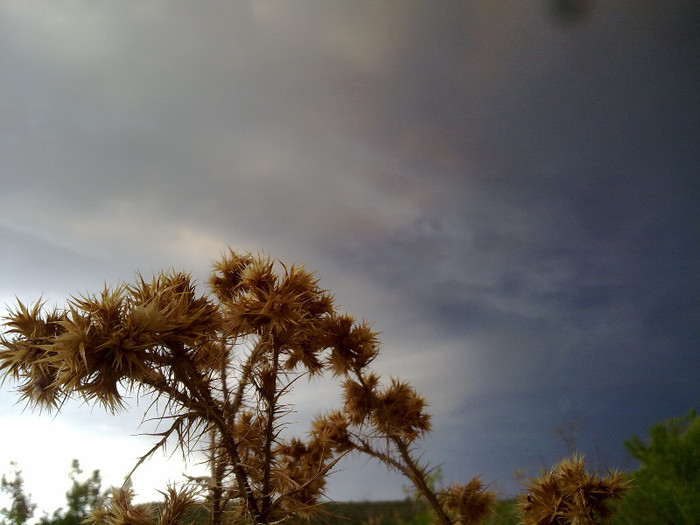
510,199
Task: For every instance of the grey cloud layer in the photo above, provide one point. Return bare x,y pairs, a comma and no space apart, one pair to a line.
510,200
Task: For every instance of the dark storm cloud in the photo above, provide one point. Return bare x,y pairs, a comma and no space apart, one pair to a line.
565,249
510,199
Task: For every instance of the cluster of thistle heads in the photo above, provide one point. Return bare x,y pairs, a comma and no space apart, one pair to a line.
568,494
119,509
222,363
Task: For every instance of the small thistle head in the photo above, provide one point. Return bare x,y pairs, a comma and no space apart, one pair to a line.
360,398
353,346
31,322
27,355
227,278
176,504
299,475
120,511
469,504
332,431
263,298
400,411
569,494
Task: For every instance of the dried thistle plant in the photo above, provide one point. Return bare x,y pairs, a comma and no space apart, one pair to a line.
469,504
568,494
217,368
119,510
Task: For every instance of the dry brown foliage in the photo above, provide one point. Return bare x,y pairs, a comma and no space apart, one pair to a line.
568,494
470,504
217,368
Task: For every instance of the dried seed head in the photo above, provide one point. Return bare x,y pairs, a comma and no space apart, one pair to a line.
121,511
400,411
360,399
569,494
259,277
31,322
302,284
176,504
226,280
299,475
353,346
332,431
41,388
302,347
470,504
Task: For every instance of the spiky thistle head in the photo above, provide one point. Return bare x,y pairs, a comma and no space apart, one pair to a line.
226,280
400,411
360,398
353,345
25,355
469,504
332,431
299,474
121,511
256,297
176,505
570,494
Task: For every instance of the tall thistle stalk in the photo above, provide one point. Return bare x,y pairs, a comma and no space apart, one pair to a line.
222,364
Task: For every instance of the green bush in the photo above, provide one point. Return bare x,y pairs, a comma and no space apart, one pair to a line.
666,487
505,513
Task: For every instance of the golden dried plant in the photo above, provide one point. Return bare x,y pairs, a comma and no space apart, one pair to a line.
216,368
119,510
469,504
568,494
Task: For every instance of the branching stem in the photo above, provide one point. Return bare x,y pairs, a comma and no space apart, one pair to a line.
417,476
209,410
269,392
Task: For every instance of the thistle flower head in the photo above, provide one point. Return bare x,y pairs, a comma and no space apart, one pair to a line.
470,504
303,347
226,280
31,322
400,411
570,494
353,346
331,430
299,475
94,353
176,504
360,398
26,357
121,511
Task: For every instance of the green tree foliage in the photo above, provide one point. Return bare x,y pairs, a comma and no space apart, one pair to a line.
81,498
505,513
21,508
666,487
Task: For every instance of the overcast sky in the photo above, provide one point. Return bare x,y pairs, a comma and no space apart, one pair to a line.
507,191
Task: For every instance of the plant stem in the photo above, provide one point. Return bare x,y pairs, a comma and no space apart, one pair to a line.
210,411
216,489
417,476
407,466
271,401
